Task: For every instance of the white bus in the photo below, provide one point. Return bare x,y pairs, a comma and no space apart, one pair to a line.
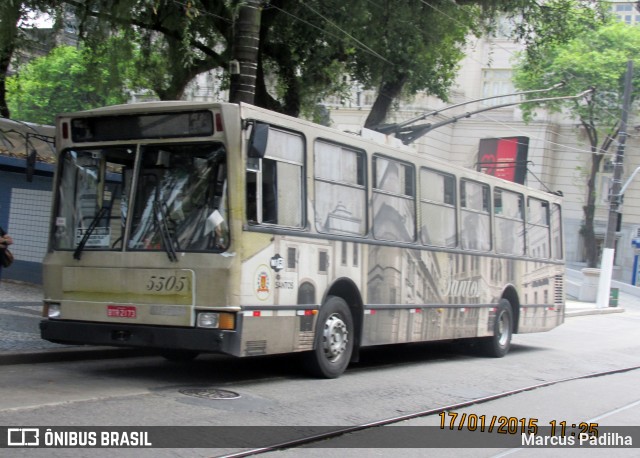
227,228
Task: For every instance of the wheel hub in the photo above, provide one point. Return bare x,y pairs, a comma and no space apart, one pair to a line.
503,329
336,337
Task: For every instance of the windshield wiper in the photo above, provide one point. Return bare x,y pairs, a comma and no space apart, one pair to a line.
167,238
77,254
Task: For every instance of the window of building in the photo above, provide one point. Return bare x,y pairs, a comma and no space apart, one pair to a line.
497,82
291,258
323,261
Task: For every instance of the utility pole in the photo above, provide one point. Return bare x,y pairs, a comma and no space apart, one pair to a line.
244,53
615,198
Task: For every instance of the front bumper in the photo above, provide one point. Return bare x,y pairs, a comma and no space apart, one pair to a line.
140,336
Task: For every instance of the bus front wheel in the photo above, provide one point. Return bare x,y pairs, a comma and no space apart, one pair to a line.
333,341
499,343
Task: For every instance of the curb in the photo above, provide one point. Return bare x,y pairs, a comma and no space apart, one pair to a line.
593,311
52,355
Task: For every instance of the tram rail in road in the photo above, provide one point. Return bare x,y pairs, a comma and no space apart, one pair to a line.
344,431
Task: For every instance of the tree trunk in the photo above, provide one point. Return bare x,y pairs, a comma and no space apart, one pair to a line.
179,74
597,154
263,98
389,91
588,231
179,78
246,44
10,13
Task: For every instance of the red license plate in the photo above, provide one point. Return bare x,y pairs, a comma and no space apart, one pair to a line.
121,311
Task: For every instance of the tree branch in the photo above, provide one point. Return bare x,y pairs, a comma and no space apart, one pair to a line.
153,27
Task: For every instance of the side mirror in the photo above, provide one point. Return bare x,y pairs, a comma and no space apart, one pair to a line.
258,140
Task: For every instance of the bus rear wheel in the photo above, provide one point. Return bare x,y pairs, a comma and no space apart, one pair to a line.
333,341
499,343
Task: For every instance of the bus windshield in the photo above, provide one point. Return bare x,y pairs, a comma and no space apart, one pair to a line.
177,201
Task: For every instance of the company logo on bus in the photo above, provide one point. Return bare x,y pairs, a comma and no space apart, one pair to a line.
263,283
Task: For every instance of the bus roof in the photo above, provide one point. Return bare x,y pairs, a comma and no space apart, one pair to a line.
367,140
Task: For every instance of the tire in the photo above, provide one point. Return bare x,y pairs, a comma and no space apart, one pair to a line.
499,343
179,356
333,341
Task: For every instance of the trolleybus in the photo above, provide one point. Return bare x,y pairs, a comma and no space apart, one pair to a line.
227,228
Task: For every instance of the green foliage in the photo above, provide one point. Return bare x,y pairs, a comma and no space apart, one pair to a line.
307,48
313,49
177,40
14,21
416,41
69,79
594,53
596,57
317,48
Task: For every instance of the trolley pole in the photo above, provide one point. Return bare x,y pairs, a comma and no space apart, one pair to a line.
615,199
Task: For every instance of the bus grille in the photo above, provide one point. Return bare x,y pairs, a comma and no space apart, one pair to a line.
256,348
305,341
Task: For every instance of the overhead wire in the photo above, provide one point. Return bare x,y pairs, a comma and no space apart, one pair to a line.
306,5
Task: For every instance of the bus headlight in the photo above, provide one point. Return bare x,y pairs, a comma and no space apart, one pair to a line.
53,310
216,320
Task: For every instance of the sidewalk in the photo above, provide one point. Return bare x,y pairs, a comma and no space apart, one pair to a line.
21,312
20,342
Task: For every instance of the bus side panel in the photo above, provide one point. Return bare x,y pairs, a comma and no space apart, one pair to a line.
421,295
280,288
410,295
543,298
275,331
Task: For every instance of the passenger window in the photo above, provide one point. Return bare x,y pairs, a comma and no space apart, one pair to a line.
538,228
341,197
393,201
556,232
275,181
508,208
438,209
475,213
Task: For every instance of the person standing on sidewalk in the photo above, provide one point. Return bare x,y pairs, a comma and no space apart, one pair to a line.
5,241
